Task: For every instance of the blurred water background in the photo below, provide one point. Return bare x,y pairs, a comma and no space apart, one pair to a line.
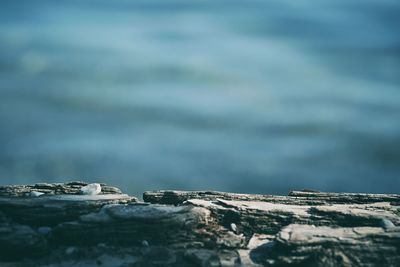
243,96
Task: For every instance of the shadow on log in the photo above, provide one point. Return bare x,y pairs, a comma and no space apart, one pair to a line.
97,225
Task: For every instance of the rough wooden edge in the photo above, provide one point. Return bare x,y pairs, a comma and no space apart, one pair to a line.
55,225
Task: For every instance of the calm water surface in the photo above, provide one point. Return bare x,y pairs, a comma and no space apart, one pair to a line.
245,96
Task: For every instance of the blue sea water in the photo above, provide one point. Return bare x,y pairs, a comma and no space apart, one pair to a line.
243,96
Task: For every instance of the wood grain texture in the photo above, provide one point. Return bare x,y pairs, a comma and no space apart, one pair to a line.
195,228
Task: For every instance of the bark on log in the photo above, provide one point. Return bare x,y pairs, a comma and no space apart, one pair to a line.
56,225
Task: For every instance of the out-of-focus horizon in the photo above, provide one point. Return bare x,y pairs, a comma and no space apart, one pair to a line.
241,96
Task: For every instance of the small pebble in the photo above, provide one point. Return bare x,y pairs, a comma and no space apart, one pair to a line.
44,230
91,189
70,250
35,194
385,223
234,227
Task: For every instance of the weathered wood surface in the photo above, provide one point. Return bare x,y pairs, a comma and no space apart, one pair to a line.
56,225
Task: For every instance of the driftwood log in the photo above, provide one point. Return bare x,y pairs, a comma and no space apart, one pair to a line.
57,225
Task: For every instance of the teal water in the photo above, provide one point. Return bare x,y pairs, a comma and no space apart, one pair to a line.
243,96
